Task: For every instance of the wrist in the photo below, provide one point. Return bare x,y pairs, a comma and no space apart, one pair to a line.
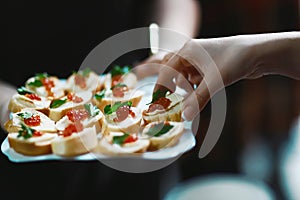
245,58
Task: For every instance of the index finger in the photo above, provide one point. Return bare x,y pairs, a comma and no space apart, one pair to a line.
167,73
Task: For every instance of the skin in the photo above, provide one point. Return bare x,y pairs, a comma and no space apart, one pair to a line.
235,58
7,91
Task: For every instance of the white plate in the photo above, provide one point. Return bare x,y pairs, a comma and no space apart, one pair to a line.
186,142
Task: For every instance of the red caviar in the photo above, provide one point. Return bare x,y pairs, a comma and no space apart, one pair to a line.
36,134
122,113
118,91
130,139
74,98
80,81
71,128
160,104
48,84
77,115
34,120
33,97
131,113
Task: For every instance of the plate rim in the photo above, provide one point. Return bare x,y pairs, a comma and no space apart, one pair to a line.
187,138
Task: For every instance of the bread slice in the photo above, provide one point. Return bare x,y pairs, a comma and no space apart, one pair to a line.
106,146
37,145
14,124
129,125
95,120
19,102
57,113
76,144
129,79
172,113
57,91
90,82
135,96
168,139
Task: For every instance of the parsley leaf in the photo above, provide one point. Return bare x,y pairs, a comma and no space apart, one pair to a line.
92,110
40,76
99,96
57,102
86,72
120,139
38,80
109,109
158,94
25,115
25,132
159,129
117,70
35,83
23,90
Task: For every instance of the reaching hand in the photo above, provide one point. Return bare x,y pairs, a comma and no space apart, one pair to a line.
150,66
204,66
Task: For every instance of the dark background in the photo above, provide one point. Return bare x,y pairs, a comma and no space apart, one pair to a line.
262,109
56,37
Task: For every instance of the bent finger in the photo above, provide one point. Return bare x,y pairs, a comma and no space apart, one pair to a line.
167,73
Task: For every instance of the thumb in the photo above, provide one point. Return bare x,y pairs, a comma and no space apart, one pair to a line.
212,82
196,102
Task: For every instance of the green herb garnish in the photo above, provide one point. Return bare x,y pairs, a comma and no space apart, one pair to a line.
38,80
108,109
57,102
23,90
40,76
159,129
25,115
85,72
158,94
92,110
35,83
117,70
25,132
99,96
120,139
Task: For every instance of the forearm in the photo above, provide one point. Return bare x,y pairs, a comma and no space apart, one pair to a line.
278,53
7,91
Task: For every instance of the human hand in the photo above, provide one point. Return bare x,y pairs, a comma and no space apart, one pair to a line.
203,67
150,66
